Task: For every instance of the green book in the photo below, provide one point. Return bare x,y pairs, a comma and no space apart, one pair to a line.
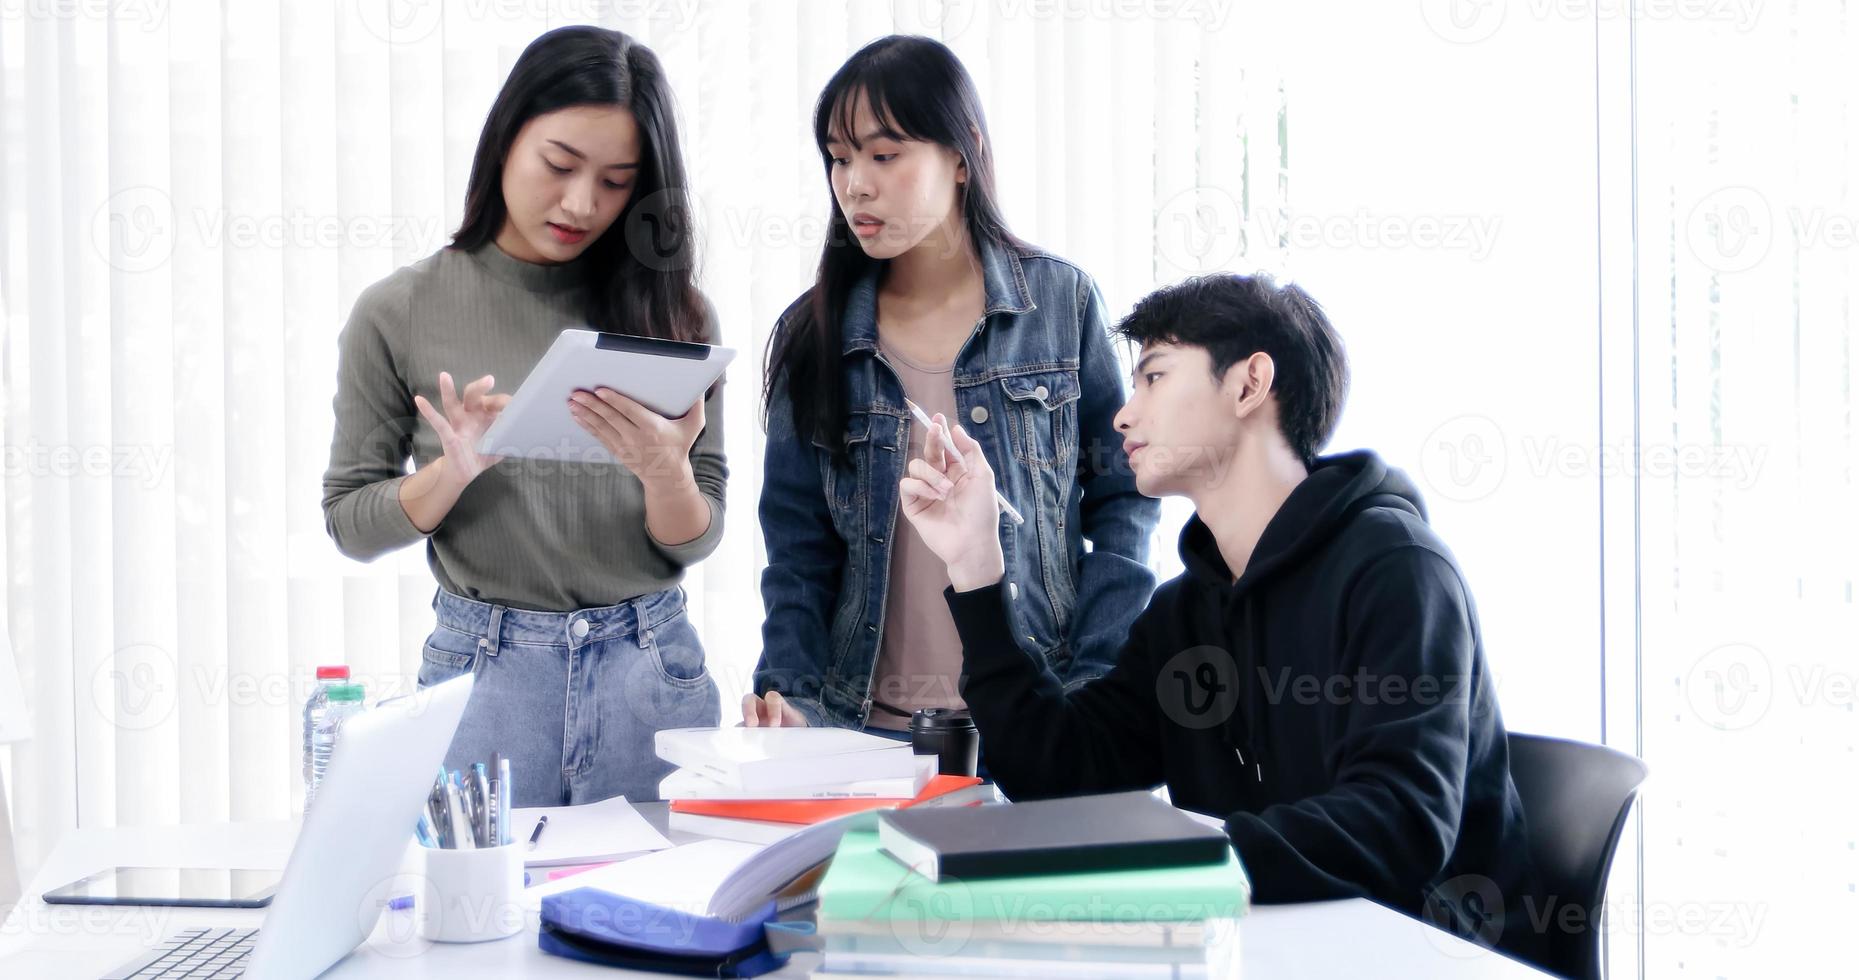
863,882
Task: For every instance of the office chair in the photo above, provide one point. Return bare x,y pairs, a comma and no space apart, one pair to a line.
1576,798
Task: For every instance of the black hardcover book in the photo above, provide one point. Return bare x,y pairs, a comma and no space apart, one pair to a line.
1106,832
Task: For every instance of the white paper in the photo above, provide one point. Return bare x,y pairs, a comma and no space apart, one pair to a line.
684,877
584,834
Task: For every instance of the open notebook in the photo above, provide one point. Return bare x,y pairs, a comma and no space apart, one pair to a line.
727,880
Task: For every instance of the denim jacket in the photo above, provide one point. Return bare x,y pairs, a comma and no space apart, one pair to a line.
1039,387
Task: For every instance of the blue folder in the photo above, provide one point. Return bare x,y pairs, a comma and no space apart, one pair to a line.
597,926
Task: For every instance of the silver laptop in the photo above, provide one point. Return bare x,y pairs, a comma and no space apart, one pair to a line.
352,839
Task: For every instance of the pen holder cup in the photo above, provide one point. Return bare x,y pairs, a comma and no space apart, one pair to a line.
472,894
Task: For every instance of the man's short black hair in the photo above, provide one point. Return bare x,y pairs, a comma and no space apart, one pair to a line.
1233,317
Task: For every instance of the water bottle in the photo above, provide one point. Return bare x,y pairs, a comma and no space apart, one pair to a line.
345,700
313,710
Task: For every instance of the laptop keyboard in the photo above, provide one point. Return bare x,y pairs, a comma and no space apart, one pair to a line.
198,954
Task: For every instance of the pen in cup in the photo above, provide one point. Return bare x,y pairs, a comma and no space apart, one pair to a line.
948,443
438,812
503,801
481,787
461,822
494,798
468,807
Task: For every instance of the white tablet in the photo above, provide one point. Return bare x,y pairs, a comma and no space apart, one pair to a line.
666,376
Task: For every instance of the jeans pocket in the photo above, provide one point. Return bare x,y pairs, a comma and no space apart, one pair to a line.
668,685
676,652
446,654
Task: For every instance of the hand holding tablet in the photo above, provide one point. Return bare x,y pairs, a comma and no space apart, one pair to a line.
654,386
653,447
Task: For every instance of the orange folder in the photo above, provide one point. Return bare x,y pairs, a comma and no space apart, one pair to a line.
814,811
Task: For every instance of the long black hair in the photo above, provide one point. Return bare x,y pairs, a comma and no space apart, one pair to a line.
640,273
918,90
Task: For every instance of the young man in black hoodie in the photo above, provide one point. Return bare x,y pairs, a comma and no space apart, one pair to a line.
1315,676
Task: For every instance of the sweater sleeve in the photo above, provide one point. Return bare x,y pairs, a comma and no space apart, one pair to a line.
374,424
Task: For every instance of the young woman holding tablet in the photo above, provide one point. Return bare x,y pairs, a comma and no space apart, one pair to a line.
559,579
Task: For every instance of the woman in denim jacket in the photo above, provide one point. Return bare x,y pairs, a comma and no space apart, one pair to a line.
923,294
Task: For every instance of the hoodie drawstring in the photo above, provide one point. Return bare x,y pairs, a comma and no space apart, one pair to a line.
1255,651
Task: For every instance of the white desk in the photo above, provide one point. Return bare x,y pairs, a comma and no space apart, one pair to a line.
1330,939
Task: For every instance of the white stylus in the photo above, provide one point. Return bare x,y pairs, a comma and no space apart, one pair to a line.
948,443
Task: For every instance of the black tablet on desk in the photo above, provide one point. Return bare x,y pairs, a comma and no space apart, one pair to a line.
220,888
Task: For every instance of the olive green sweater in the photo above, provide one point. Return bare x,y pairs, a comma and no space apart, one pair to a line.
526,533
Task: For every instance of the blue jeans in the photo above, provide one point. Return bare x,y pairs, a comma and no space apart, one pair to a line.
572,699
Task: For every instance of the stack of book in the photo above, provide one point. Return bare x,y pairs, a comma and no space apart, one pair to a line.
761,785
1118,885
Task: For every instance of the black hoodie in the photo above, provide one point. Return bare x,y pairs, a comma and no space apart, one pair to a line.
1333,705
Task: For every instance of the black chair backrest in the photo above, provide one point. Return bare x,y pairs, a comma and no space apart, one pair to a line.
1575,802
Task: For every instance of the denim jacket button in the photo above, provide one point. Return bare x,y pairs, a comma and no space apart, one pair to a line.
1013,590
979,415
1041,392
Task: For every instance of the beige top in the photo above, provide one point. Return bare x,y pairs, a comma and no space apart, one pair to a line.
919,654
